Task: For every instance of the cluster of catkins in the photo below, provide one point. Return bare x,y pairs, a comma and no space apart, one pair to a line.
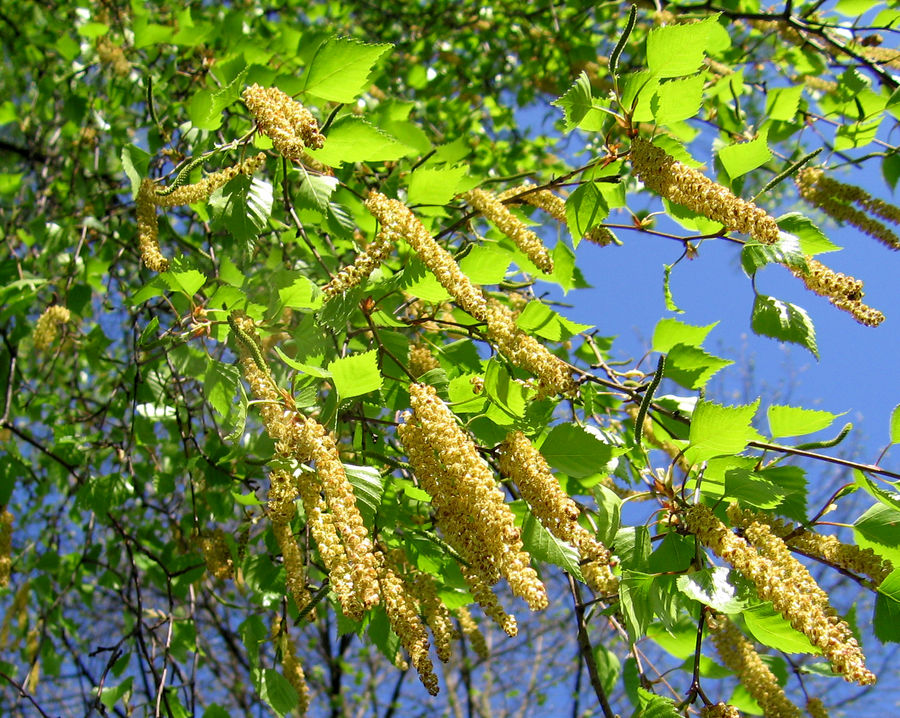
764,558
150,196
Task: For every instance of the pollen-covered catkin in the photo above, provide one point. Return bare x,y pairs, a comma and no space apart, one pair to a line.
526,468
471,631
365,263
291,668
719,710
816,708
686,186
6,522
404,618
289,124
46,329
421,360
510,225
201,191
398,222
834,198
148,228
841,290
489,602
216,554
282,493
555,206
738,654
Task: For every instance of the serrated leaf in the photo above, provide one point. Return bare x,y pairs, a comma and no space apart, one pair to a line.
187,281
654,706
608,516
638,90
796,421
545,547
782,103
486,263
136,163
220,386
751,489
784,321
352,139
678,50
678,100
507,395
339,70
743,157
634,599
667,290
356,374
300,294
205,108
539,319
785,251
243,207
886,623
576,102
717,430
669,332
691,366
895,425
301,366
314,191
429,185
772,629
585,208
575,451
368,488
890,499
277,692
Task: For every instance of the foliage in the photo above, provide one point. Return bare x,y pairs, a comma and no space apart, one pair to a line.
175,442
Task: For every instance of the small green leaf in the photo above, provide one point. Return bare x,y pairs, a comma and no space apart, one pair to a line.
508,395
486,263
585,208
429,185
784,321
667,290
136,163
812,240
782,103
243,207
678,100
314,191
692,367
576,102
539,319
669,332
795,421
608,517
187,281
368,488
352,139
718,430
310,369
772,629
654,706
575,451
743,157
634,598
340,69
110,695
888,498
277,692
677,50
886,623
356,374
300,294
545,547
895,425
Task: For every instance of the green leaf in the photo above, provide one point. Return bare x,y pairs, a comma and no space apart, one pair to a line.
743,157
136,163
277,692
356,374
718,430
886,623
654,706
678,100
691,366
110,695
752,489
634,599
895,425
784,321
669,332
368,488
187,281
577,102
879,529
243,207
667,290
545,547
352,139
638,90
677,50
486,264
205,108
300,294
888,498
429,185
785,251
306,368
608,667
575,451
890,169
608,518
508,395
782,103
795,421
340,68
772,629
585,208
220,386
632,547
539,319
314,191
711,586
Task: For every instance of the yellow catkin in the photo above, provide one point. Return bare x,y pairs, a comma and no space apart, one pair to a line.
6,522
470,630
524,466
843,291
488,601
719,710
781,579
282,493
148,228
834,199
304,440
201,191
814,82
398,222
113,55
404,618
686,186
291,127
436,614
421,360
739,655
510,225
555,206
487,525
46,329
216,554
365,263
816,708
291,668
882,55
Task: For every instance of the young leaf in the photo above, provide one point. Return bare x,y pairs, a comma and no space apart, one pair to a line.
812,240
667,290
339,70
429,185
576,102
678,100
243,207
356,374
784,321
544,546
352,139
794,421
677,50
691,366
895,425
743,157
136,163
585,208
575,451
539,319
669,332
718,430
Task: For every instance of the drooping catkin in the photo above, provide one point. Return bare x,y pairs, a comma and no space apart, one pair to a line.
816,708
510,225
470,630
421,360
525,466
282,493
841,290
6,522
488,601
148,228
291,668
719,710
365,263
739,655
555,206
216,554
289,125
202,190
834,199
781,579
686,186
46,329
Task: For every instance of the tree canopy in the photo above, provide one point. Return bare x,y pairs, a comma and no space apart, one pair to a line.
294,409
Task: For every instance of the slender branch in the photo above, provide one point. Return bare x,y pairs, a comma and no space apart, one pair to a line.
587,652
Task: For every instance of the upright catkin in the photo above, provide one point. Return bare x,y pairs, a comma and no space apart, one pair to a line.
686,186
